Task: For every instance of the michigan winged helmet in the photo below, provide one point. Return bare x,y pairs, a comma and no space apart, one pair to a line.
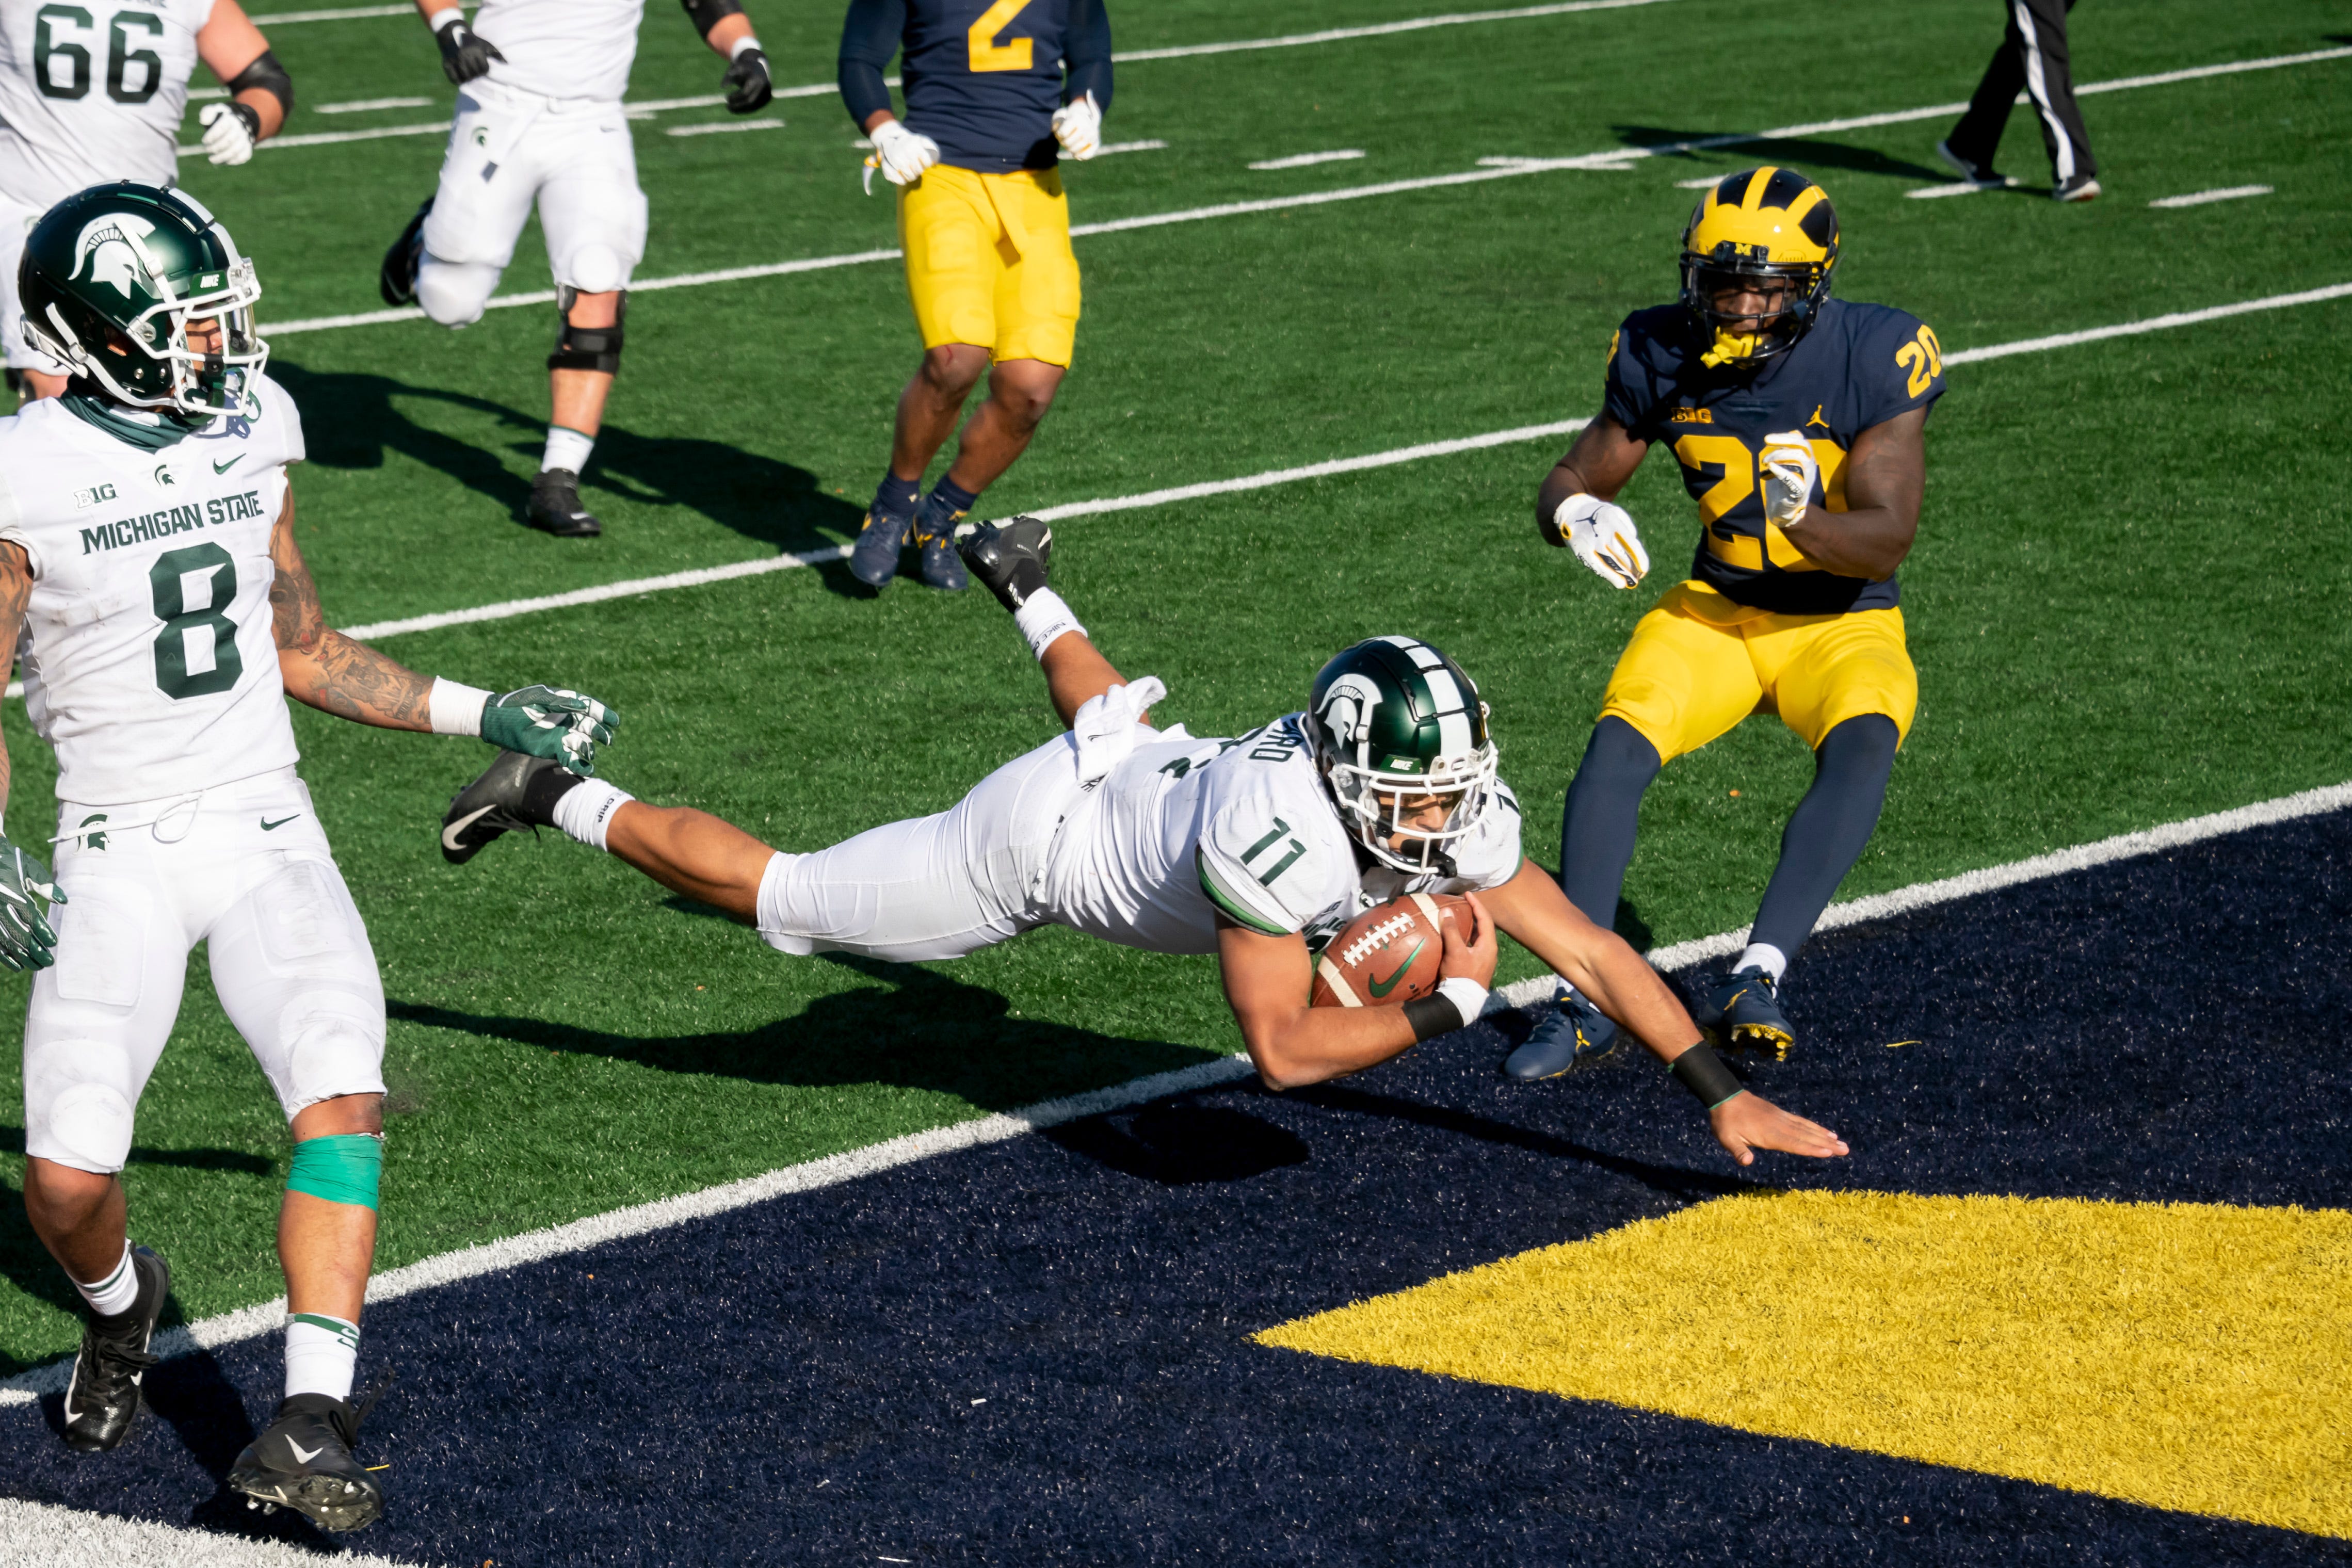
1396,722
112,281
1771,231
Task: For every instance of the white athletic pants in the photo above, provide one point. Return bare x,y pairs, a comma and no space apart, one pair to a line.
244,868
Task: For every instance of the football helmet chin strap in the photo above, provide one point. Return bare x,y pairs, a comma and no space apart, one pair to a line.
587,348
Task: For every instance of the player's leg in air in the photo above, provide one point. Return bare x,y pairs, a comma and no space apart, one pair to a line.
986,235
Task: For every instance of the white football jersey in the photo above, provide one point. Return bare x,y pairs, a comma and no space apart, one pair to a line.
92,92
149,655
562,48
1184,830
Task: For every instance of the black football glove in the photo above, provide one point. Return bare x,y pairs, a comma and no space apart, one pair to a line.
748,85
465,54
27,941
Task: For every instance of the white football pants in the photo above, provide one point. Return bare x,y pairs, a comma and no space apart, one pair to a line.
508,149
16,221
244,868
932,887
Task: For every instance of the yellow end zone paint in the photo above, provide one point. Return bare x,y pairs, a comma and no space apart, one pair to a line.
2187,1356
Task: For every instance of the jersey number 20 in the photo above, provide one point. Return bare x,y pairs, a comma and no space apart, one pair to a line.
987,53
169,578
48,51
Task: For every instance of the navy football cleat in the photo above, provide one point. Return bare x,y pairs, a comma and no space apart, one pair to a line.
1741,1012
941,568
103,1397
1572,1034
304,1461
1011,560
874,559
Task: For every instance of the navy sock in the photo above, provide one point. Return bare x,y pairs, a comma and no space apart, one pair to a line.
896,497
944,506
1828,829
1604,805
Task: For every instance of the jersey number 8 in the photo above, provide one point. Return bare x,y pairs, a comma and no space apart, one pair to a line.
120,55
169,578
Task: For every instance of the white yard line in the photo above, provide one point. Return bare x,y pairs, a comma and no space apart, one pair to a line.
1107,148
1306,160
723,127
337,14
368,105
2153,324
1374,30
639,1219
2226,194
1956,188
50,1535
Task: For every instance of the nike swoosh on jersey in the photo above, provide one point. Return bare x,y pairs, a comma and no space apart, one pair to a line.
449,833
269,827
223,466
304,1456
1382,988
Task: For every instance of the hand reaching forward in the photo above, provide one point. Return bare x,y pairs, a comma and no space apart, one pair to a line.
1746,1123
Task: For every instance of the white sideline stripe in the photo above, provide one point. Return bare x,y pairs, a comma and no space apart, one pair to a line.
555,1241
2153,324
724,127
1302,159
2226,194
48,1533
1614,159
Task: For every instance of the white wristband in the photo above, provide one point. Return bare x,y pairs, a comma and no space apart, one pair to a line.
456,709
749,41
1465,994
450,18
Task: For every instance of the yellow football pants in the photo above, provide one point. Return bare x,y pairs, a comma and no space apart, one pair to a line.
1700,663
989,261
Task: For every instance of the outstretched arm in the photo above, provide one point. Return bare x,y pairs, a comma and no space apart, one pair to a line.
323,667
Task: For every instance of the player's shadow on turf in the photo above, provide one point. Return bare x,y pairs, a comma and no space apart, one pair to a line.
1804,153
1182,1143
920,1029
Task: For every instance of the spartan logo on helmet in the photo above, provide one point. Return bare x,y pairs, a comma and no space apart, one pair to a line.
1399,729
108,255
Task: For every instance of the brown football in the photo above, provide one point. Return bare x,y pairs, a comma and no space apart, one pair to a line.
1388,956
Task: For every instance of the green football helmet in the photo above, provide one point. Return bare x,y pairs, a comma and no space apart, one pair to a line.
1393,721
111,278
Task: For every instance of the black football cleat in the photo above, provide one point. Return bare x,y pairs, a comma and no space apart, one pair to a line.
1741,1012
397,279
303,1460
1572,1034
500,801
555,506
1012,560
874,559
103,1397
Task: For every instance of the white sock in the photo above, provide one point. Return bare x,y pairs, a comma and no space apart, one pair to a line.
322,1355
567,448
112,1296
1044,618
584,810
1765,956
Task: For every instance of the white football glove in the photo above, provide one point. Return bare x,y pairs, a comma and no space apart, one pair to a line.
229,131
1602,535
901,154
1078,126
1789,470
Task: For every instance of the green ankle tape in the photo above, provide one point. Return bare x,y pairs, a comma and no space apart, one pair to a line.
344,1168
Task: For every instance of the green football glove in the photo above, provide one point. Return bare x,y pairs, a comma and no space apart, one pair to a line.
548,721
27,939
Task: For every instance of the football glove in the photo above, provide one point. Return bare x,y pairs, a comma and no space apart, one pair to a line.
27,939
1604,537
561,725
748,86
1078,126
901,154
465,54
1789,470
230,131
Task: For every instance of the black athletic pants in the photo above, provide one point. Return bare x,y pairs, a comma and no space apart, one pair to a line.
2032,56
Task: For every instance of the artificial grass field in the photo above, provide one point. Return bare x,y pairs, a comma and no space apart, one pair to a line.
2124,603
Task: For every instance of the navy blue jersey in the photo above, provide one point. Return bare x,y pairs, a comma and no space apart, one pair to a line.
1860,365
982,78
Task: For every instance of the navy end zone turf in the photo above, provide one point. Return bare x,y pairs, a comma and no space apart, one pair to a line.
1038,1352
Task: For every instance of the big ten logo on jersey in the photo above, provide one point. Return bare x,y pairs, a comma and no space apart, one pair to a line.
68,40
986,53
85,499
1732,472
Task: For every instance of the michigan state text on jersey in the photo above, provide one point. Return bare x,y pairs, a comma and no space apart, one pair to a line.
89,94
1253,848
540,121
1796,421
996,94
163,614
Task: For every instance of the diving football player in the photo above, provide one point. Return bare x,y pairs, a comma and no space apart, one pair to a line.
540,120
89,94
1796,421
149,580
1258,849
997,94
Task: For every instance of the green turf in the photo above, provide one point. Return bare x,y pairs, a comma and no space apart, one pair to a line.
2123,605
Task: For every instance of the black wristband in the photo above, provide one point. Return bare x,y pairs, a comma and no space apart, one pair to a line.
1702,1073
1431,1016
266,74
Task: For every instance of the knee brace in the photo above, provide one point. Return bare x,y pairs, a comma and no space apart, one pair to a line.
347,1167
587,348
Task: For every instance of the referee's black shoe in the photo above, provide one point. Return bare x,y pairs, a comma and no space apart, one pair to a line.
1975,174
103,1397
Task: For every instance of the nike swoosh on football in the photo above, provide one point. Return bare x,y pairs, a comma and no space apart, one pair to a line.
449,833
223,466
269,827
1382,988
304,1456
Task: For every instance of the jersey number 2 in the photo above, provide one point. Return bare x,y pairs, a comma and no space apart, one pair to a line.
120,55
169,578
987,53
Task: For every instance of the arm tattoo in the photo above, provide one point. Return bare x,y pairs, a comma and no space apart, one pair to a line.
328,670
15,593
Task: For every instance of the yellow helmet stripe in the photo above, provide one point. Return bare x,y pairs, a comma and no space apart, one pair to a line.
1753,200
1806,198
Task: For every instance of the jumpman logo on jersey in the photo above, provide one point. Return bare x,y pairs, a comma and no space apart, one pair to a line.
1817,418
